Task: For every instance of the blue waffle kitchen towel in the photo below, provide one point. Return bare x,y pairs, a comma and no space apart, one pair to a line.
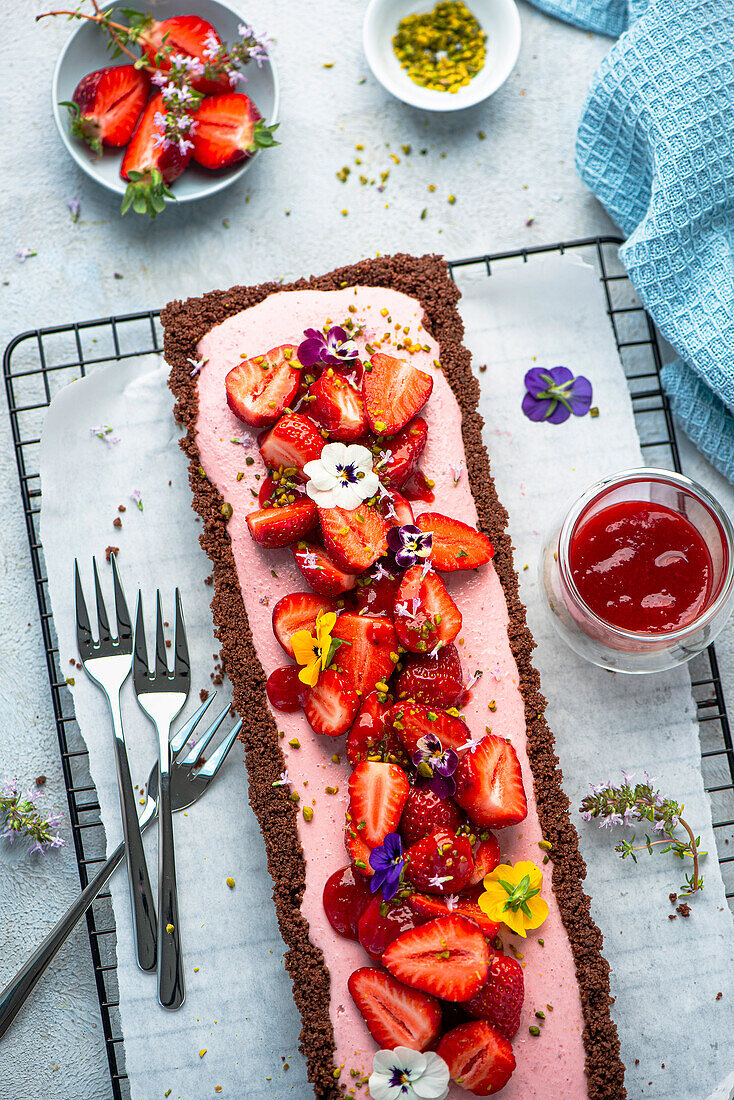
656,145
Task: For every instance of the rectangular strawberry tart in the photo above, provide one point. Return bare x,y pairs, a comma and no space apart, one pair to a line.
427,878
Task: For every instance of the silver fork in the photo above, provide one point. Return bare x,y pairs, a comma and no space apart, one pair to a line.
161,694
107,662
187,787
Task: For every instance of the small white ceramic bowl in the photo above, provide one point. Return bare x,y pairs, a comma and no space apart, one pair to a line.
498,19
85,52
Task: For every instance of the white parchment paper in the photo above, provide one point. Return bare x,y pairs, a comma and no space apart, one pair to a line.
665,974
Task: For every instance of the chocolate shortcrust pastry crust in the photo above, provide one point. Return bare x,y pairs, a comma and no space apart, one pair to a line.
427,279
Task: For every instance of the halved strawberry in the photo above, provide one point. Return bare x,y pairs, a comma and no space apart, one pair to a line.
275,527
499,1001
394,391
489,784
187,34
381,923
338,406
456,545
440,863
378,596
370,739
411,721
377,794
358,851
430,906
405,449
321,571
366,658
107,104
425,614
447,957
291,443
331,706
486,857
424,811
298,611
229,128
436,681
355,538
345,898
395,1015
149,165
478,1057
259,389
396,509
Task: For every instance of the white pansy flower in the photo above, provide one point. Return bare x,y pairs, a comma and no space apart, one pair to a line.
342,477
405,1074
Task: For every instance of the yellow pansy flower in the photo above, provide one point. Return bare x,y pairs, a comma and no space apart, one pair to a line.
512,895
312,650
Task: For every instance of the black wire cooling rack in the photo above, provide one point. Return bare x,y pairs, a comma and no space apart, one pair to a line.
39,363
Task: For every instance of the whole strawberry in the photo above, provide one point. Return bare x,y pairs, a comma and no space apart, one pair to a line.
424,811
499,1001
440,863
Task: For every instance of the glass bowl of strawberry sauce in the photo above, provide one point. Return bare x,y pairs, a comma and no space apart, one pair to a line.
640,575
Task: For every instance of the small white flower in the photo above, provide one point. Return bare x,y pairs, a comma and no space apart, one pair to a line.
342,477
438,880
196,365
433,653
452,901
309,560
457,471
283,781
405,1074
473,742
381,573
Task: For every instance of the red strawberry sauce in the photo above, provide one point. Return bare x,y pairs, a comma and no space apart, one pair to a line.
642,567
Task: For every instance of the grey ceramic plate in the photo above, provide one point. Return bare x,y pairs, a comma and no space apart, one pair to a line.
85,51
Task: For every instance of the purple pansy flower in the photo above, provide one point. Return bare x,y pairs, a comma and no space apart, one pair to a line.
436,766
334,349
408,543
387,863
554,394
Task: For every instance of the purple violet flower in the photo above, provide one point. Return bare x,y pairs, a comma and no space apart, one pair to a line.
436,766
387,863
334,349
554,394
408,543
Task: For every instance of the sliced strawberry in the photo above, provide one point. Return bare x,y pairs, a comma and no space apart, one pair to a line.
275,527
411,721
394,391
107,105
284,688
338,406
440,863
405,449
499,1001
486,857
378,596
148,165
358,851
424,811
346,896
377,794
425,614
395,1015
381,923
436,681
259,389
430,906
298,611
396,509
291,443
331,706
489,784
356,538
366,657
456,545
321,571
369,738
478,1057
229,128
187,34
447,957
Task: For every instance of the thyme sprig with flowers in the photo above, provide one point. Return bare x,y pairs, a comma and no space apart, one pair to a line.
20,817
629,805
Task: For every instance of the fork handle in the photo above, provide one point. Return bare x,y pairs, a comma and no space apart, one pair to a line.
171,985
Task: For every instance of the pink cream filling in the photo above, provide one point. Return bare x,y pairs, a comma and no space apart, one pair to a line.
553,1063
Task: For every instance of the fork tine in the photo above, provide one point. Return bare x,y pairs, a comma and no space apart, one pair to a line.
83,629
140,657
181,736
219,755
102,622
182,664
124,628
204,740
161,660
